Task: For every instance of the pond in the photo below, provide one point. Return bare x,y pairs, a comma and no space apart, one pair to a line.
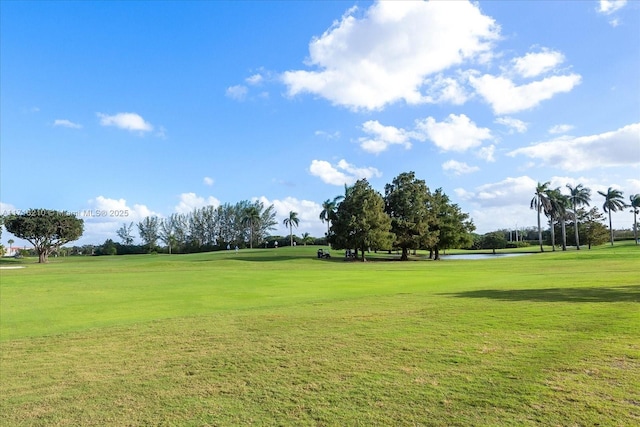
480,256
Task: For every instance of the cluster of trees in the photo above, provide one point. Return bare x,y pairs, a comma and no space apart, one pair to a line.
206,228
408,217
563,209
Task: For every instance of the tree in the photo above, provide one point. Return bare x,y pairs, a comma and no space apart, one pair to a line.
406,204
10,242
328,211
595,232
494,241
360,220
45,229
125,233
558,205
540,202
306,238
613,202
578,196
251,219
452,227
634,204
148,230
169,228
290,222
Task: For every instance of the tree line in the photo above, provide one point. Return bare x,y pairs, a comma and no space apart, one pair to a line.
568,209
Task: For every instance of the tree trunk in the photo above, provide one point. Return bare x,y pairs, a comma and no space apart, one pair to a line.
405,255
43,257
564,234
553,236
436,254
610,227
539,227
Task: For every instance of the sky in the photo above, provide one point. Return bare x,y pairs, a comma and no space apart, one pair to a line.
150,108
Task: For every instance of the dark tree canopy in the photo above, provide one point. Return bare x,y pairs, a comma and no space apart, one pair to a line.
45,229
406,203
493,241
452,226
360,221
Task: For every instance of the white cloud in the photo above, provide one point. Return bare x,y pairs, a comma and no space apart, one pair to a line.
513,124
208,181
127,121
67,124
557,129
342,173
456,133
505,97
308,214
607,7
255,79
191,201
381,137
442,89
386,54
487,153
534,64
610,149
328,135
458,168
103,209
237,92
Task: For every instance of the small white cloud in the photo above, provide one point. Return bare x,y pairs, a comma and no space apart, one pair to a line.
456,133
127,121
328,135
67,124
191,201
513,124
342,173
610,149
487,153
381,137
237,92
208,181
558,129
254,79
607,7
534,64
458,168
505,97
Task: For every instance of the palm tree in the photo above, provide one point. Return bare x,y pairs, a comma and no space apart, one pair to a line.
539,202
635,208
329,210
558,203
306,237
251,218
579,196
291,221
10,242
612,203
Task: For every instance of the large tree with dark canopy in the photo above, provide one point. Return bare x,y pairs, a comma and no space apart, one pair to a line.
360,221
45,229
406,203
452,227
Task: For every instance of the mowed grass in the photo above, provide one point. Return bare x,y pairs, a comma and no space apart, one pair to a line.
278,337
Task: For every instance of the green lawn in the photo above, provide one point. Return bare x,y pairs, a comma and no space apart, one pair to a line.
278,337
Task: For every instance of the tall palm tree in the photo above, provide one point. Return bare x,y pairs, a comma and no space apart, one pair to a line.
328,210
612,203
558,203
290,222
579,196
251,218
539,202
635,208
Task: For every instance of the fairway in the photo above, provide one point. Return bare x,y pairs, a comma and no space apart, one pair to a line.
279,337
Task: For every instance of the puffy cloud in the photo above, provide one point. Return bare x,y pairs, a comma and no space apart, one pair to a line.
456,133
237,92
458,168
487,153
505,97
381,137
534,64
607,7
342,173
387,53
254,79
557,129
104,209
208,181
308,214
127,121
513,124
609,149
191,201
508,192
67,124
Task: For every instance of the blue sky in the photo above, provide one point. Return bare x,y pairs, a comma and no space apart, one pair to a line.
161,107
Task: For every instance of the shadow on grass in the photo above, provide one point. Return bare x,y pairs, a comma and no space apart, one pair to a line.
629,293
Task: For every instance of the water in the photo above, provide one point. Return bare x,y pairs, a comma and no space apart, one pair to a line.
480,256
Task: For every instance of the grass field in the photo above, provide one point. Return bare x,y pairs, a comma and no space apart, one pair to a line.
278,337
